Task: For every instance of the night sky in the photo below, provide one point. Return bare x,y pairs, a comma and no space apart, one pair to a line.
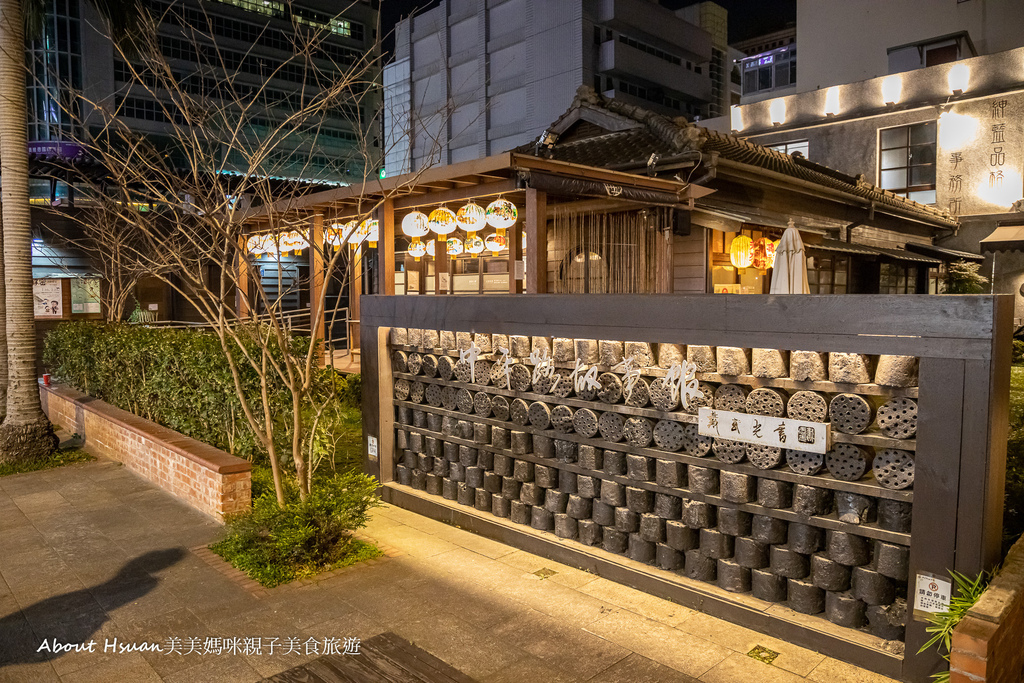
747,18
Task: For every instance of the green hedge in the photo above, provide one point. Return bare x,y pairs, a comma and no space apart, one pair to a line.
181,379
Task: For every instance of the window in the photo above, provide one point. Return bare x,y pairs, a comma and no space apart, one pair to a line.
906,161
828,274
801,146
650,49
897,278
769,71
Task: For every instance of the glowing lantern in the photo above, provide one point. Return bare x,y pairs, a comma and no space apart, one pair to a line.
431,248
442,221
415,224
335,235
501,214
764,254
417,248
740,253
454,246
471,217
474,245
292,240
372,232
496,243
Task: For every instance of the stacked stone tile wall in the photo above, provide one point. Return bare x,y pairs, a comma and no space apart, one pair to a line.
987,642
205,477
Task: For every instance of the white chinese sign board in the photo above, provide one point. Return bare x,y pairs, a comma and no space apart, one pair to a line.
371,447
781,432
931,595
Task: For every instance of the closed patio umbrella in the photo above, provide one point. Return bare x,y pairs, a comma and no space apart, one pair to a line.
789,276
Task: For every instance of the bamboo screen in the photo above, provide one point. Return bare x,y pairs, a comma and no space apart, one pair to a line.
605,253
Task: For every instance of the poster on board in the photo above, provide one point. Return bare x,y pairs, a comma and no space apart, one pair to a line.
85,295
48,298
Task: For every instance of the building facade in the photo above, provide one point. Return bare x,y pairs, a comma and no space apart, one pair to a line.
468,82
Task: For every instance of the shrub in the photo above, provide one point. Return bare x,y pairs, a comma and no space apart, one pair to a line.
274,545
1018,351
966,594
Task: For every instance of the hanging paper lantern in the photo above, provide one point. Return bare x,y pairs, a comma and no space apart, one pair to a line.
431,248
372,232
474,245
442,221
496,243
293,240
501,214
740,253
471,217
415,224
454,246
763,256
268,245
417,248
335,235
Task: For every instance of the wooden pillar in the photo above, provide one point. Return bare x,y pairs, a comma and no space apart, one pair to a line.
317,293
243,272
355,291
663,275
386,248
536,261
441,264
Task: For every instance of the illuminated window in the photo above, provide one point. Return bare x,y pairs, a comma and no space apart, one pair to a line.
906,161
769,71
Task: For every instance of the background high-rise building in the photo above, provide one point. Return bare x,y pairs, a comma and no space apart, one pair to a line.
468,81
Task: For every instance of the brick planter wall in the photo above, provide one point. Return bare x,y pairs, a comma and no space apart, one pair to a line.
205,477
987,643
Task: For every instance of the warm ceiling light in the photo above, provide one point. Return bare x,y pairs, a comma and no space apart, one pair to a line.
958,78
892,89
777,110
832,101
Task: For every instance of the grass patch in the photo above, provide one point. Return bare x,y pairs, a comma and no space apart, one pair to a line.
275,545
59,458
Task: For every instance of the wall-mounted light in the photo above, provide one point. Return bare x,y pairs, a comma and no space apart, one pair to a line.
777,111
735,118
832,101
892,89
956,131
958,78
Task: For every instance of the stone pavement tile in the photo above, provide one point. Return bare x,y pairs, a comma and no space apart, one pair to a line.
418,543
568,648
573,578
354,624
269,665
125,667
313,605
555,600
529,562
737,667
24,484
29,589
45,500
213,603
644,604
638,669
181,624
742,640
471,541
36,672
126,607
259,620
58,607
76,661
680,651
529,668
13,519
472,651
835,671
222,669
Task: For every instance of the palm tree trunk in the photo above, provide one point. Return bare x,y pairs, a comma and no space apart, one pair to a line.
25,434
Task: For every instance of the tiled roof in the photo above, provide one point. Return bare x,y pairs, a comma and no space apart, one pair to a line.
657,134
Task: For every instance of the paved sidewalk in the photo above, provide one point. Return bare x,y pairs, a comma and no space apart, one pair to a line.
93,552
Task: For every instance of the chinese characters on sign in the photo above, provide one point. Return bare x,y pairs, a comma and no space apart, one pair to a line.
781,432
931,595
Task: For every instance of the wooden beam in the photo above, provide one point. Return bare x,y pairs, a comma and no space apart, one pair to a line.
244,273
441,264
355,292
317,295
457,194
663,265
536,260
386,248
515,255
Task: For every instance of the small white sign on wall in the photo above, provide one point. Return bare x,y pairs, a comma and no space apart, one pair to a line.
371,447
931,595
781,432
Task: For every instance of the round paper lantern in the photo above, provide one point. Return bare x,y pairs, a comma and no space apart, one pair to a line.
431,248
372,232
501,214
417,249
496,243
335,235
415,224
471,217
442,221
474,245
454,246
740,253
763,256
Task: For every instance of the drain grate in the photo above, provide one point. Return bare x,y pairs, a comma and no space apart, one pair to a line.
763,654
